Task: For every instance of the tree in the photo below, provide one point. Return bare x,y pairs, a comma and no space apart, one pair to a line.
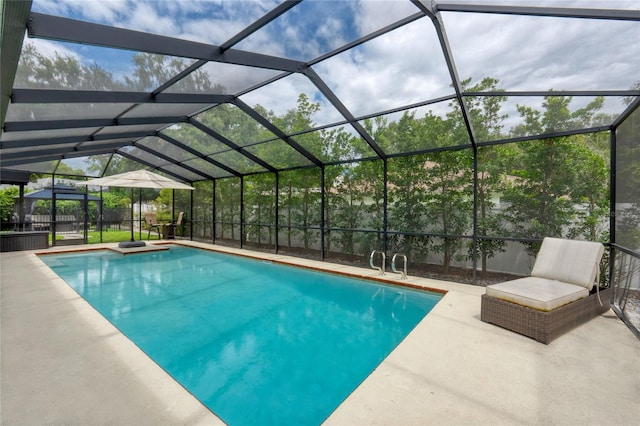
407,194
36,70
227,212
487,123
7,203
300,204
592,193
348,207
449,200
260,207
549,175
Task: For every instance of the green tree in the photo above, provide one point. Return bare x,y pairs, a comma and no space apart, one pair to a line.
347,189
300,205
227,212
549,175
7,203
407,195
449,200
348,207
36,70
259,202
487,121
591,196
113,200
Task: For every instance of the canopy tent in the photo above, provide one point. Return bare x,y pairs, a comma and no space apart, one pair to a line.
137,179
47,194
67,193
27,202
62,193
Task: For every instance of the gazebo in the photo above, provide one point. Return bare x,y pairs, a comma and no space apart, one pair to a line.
75,224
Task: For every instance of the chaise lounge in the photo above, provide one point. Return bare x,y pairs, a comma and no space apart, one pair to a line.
561,293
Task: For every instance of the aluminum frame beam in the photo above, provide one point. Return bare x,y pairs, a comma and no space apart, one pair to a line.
371,36
430,11
618,93
261,22
64,29
58,153
626,113
199,154
276,131
14,16
26,126
342,109
559,12
79,139
231,145
172,162
46,96
153,166
546,136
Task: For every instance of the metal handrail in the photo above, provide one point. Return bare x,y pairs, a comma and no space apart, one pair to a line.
384,260
403,274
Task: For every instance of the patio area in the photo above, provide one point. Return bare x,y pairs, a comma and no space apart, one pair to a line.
63,363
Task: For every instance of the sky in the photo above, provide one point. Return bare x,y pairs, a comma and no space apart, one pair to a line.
402,67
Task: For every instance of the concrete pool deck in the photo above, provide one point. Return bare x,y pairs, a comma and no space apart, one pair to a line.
63,363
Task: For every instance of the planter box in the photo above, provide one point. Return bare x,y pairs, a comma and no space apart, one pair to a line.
18,241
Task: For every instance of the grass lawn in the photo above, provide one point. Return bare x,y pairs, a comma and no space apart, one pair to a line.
111,236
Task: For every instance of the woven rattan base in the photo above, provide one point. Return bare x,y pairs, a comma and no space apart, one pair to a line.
539,325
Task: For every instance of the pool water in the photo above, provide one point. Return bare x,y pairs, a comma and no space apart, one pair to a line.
256,342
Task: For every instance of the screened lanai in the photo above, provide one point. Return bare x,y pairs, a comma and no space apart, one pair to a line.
457,133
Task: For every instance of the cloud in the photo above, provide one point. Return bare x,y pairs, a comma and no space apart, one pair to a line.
104,12
373,15
540,53
313,28
399,68
232,78
51,48
199,20
282,96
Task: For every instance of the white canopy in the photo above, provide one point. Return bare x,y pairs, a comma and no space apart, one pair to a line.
138,179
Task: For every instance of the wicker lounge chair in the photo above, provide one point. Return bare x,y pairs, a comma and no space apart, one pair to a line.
557,297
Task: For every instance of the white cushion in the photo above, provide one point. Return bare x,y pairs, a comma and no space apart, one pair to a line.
569,261
537,293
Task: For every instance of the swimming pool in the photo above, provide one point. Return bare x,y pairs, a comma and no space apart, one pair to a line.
256,342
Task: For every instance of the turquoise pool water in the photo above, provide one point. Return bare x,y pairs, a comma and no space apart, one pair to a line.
258,343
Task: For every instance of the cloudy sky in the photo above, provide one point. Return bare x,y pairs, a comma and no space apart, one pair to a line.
399,68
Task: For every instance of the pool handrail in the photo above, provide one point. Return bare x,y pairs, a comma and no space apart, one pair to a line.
403,274
384,261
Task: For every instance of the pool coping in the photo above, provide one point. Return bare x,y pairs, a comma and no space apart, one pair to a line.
322,267
416,283
451,369
357,274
